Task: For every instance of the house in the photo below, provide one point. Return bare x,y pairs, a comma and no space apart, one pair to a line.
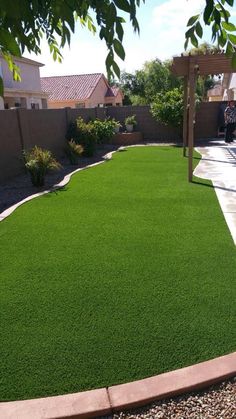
80,91
229,85
216,93
26,93
225,90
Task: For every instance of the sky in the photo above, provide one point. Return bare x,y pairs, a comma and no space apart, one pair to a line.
162,28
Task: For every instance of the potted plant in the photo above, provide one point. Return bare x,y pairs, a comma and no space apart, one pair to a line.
130,123
117,126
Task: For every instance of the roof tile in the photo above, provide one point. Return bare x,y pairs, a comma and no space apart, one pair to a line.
77,87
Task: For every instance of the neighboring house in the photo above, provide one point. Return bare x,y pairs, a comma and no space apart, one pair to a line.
229,85
226,90
216,93
80,91
26,93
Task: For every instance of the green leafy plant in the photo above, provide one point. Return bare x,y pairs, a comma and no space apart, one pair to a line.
104,130
217,16
131,120
38,162
168,107
89,134
117,126
73,151
85,134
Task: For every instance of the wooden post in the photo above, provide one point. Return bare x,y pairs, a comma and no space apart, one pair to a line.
185,116
190,120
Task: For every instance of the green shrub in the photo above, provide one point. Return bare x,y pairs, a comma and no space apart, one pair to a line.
88,134
104,130
73,151
85,135
38,162
131,120
168,107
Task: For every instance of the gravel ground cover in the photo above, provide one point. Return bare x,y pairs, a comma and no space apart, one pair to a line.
217,402
20,187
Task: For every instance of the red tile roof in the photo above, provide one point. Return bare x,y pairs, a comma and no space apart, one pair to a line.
78,87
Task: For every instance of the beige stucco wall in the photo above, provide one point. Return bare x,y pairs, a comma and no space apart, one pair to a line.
98,95
64,104
115,100
119,98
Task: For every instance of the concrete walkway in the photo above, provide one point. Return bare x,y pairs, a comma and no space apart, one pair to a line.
219,165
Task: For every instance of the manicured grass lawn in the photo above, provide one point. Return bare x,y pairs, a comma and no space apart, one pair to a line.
126,273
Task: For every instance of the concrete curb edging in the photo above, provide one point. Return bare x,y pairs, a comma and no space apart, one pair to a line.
105,401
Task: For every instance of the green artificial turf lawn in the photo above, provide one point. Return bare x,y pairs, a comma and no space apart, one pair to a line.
127,272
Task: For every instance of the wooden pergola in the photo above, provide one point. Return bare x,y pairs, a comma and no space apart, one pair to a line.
189,67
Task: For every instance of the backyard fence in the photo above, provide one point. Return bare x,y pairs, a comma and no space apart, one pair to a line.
23,128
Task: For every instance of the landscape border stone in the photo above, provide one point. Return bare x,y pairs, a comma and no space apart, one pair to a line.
106,401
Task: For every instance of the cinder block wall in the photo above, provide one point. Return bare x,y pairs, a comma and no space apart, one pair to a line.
151,129
11,163
206,125
23,128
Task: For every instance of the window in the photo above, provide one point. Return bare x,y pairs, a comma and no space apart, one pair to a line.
34,106
80,105
108,104
17,105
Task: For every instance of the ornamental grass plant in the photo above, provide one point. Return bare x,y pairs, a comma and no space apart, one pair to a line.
38,163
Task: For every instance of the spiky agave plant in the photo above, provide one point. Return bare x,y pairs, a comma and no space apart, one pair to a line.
73,151
38,162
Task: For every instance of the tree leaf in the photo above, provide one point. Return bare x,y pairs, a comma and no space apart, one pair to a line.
230,2
229,49
119,30
217,16
228,26
222,38
9,43
123,5
232,38
199,30
208,11
186,43
116,69
194,40
192,20
118,47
